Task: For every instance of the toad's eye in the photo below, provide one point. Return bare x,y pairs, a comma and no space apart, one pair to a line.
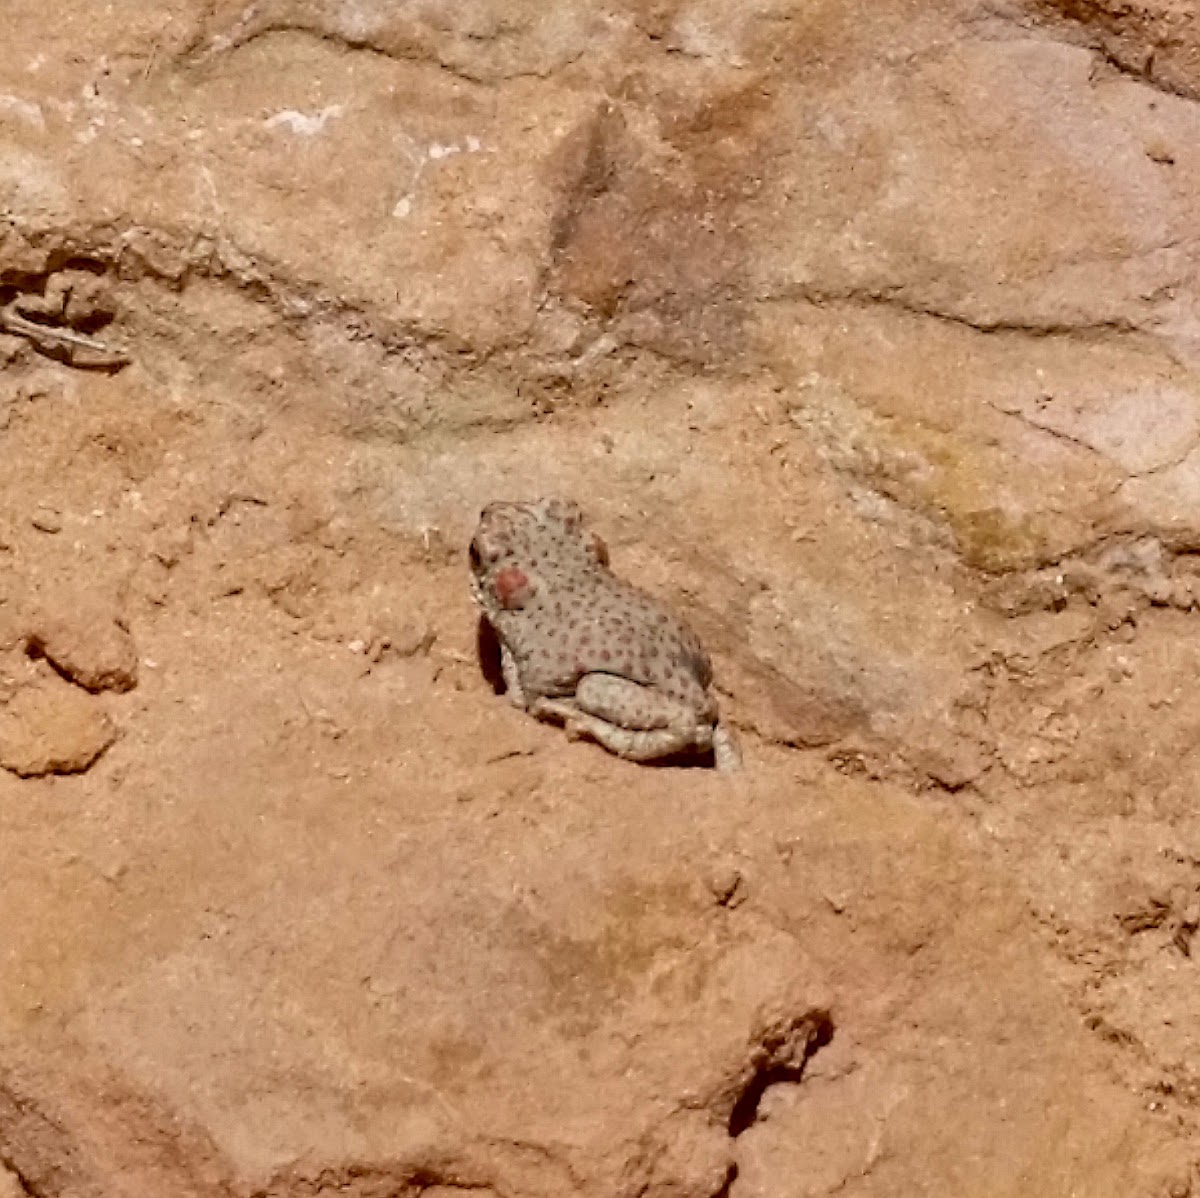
484,553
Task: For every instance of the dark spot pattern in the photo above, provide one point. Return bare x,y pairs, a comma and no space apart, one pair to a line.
576,618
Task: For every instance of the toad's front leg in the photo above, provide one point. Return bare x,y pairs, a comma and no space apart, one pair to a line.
512,678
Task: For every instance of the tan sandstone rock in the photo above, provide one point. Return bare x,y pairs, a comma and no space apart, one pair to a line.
86,643
867,331
51,727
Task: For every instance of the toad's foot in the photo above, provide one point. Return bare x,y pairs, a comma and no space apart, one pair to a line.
78,349
727,754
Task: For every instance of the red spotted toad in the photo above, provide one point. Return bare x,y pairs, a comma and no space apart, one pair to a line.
582,648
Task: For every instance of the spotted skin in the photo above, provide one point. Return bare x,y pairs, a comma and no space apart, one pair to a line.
582,648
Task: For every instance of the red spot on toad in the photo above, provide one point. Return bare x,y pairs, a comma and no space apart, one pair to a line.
513,587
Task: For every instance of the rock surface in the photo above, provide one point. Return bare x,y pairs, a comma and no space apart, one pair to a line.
866,331
49,727
86,642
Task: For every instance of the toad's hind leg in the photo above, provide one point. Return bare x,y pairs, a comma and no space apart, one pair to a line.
632,744
628,719
659,723
629,704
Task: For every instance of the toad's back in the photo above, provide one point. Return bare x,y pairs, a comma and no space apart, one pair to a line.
576,617
590,621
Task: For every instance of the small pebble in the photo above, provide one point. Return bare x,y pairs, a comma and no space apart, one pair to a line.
46,519
728,886
1161,152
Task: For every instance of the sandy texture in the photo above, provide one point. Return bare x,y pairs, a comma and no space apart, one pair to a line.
866,335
